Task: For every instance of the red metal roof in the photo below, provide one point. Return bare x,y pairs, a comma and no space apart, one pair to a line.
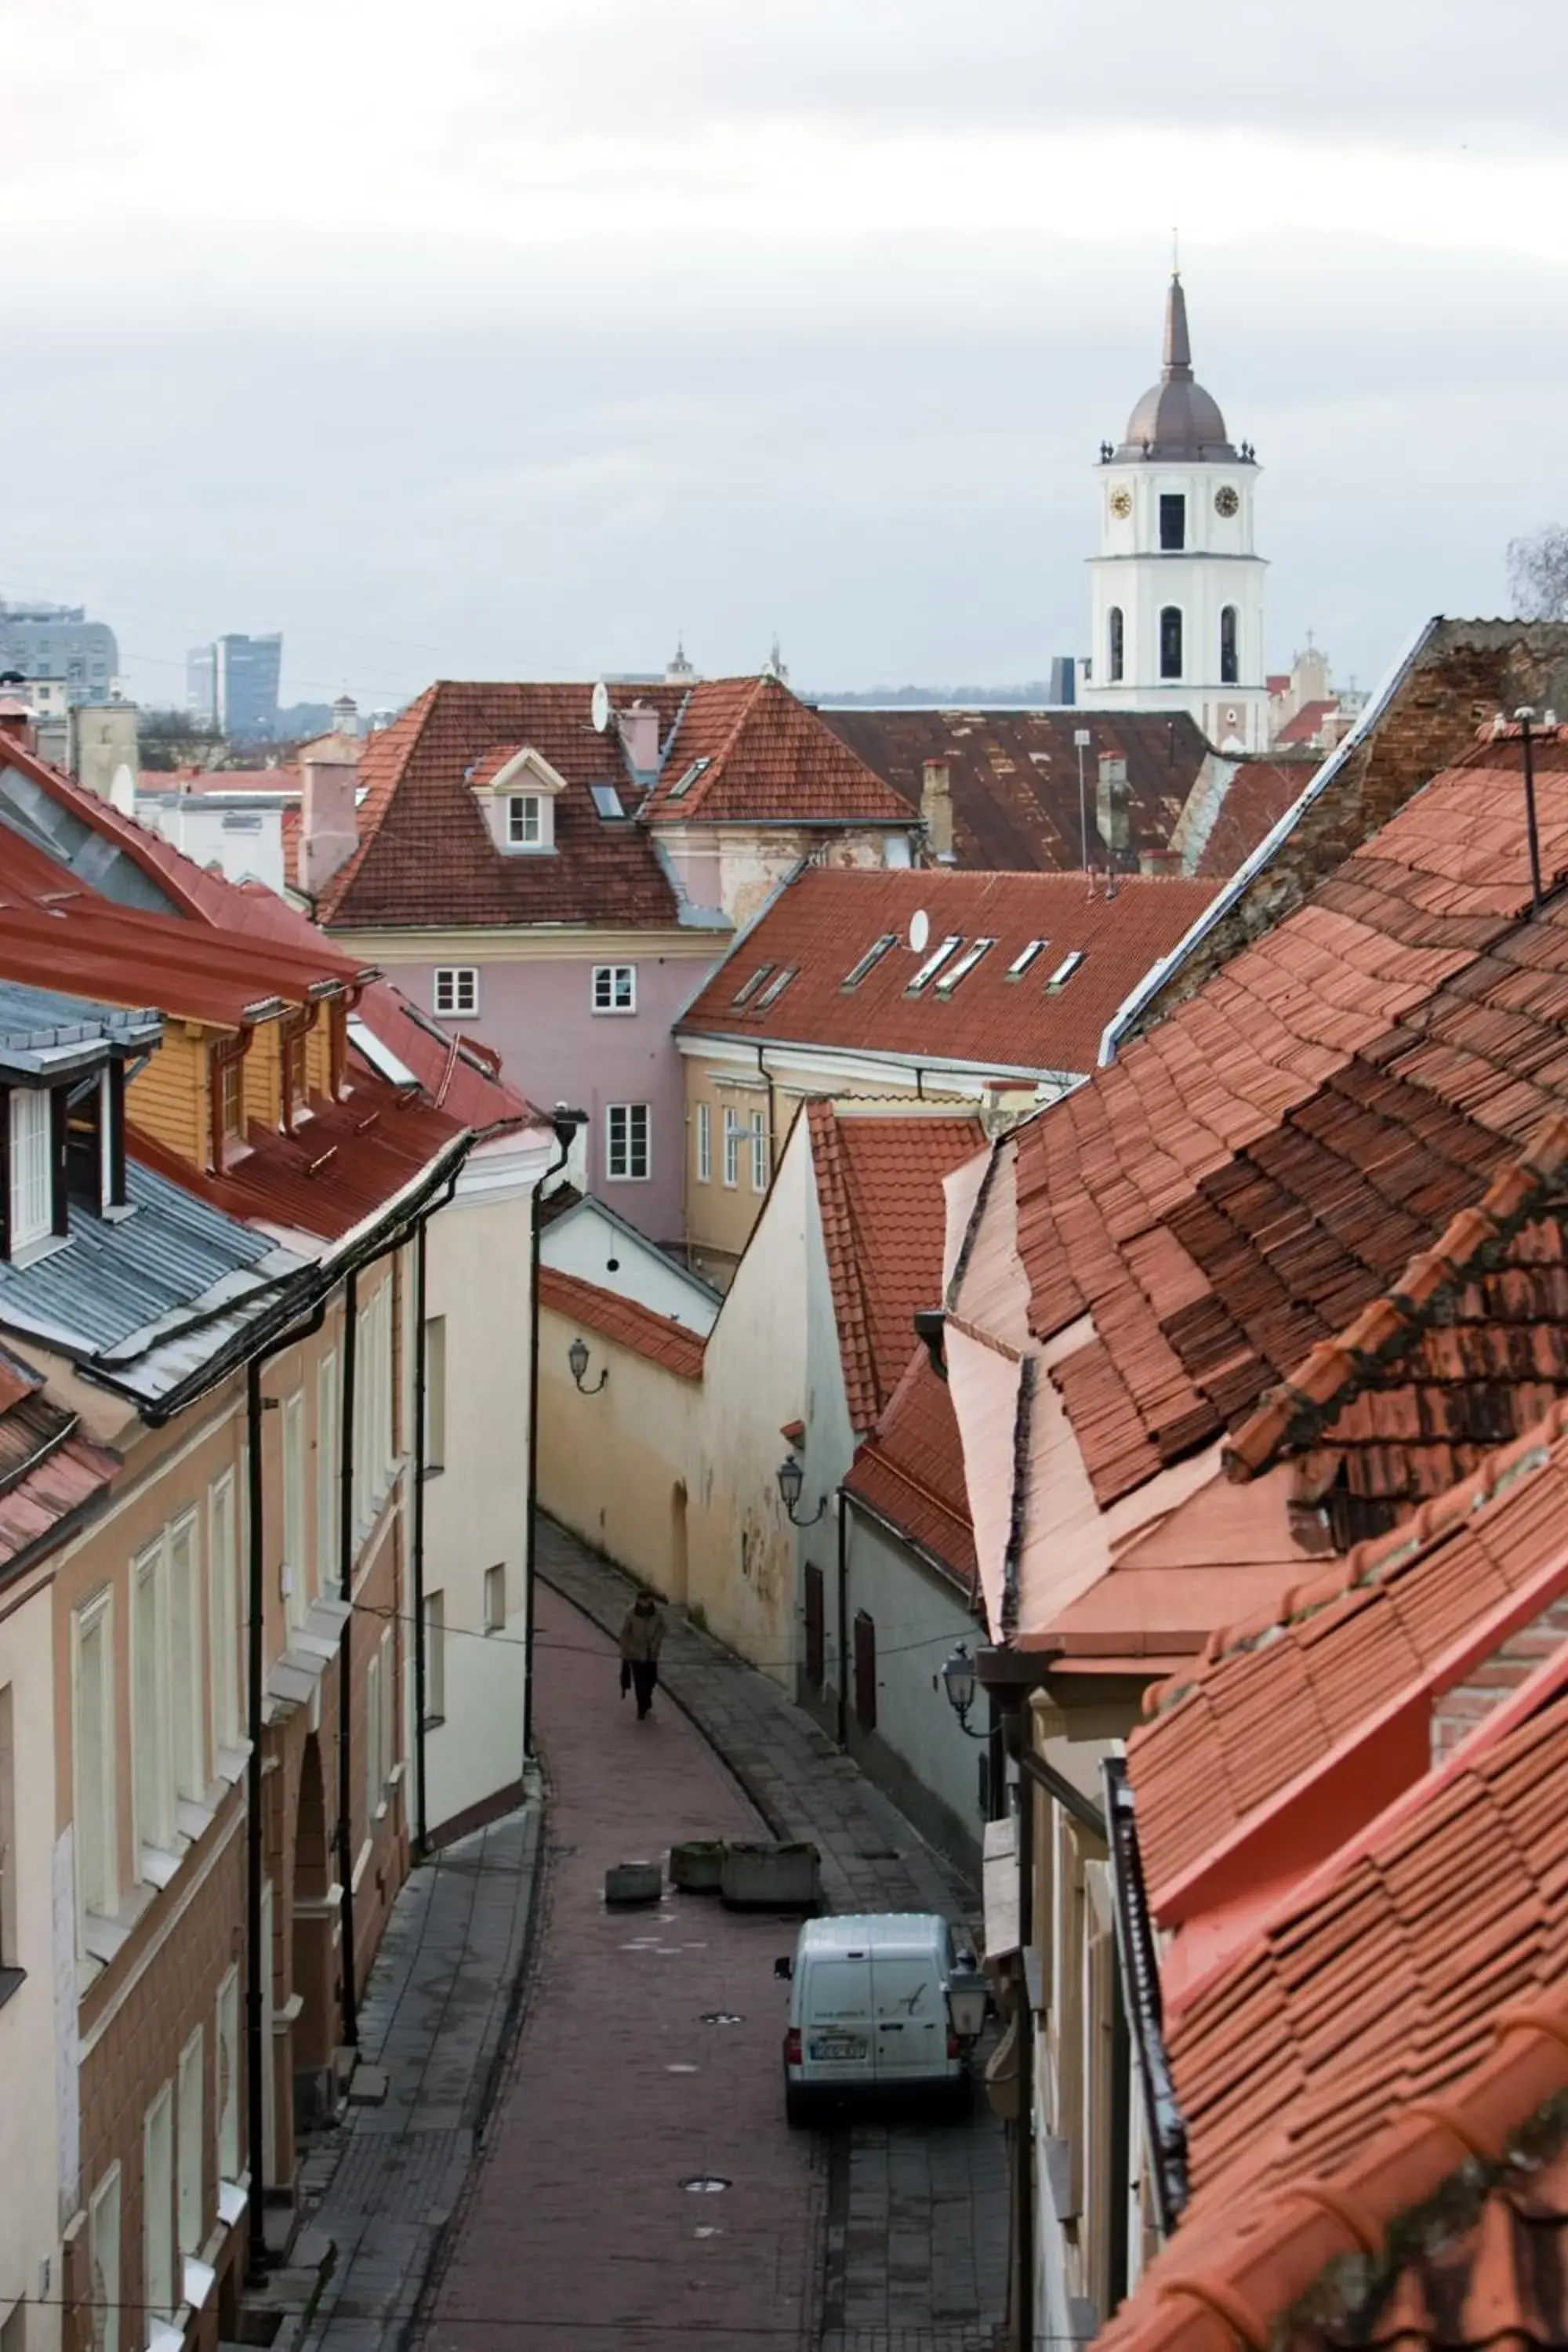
623,1320
817,929
880,1192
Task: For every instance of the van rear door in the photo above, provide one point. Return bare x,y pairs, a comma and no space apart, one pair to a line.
836,2021
911,2019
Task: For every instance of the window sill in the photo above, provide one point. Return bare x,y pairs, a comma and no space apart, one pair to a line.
32,1252
11,1980
432,1469
433,1723
613,1012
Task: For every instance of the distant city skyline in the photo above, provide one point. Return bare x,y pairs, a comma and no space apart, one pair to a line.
737,329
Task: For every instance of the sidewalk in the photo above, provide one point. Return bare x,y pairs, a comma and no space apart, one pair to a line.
433,2020
799,1781
916,2251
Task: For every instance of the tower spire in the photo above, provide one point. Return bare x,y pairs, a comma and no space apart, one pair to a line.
1178,366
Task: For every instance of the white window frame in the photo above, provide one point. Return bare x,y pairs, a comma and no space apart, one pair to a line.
158,2297
614,989
98,1861
30,1208
226,2077
187,1656
759,1131
454,991
294,1571
222,1603
626,1173
704,1143
731,1147
434,1394
435,1657
190,2153
104,2257
523,821
329,1411
152,1743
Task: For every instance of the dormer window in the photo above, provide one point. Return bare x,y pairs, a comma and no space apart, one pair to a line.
29,1168
95,1142
294,1059
525,821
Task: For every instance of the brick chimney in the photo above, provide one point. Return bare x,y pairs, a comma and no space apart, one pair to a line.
639,737
15,720
329,824
936,812
1110,808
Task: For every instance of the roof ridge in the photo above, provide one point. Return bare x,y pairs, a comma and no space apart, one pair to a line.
1334,1371
711,773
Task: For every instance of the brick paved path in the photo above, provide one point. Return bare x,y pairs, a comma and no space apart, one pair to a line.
916,2245
575,2234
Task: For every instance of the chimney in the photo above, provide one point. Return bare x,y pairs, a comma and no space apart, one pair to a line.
639,739
329,824
936,811
1110,808
16,721
345,715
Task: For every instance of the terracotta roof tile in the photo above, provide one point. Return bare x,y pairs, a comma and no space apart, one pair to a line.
769,758
1258,797
826,920
623,1321
910,1471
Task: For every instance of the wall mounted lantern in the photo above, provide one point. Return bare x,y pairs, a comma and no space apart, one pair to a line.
957,1680
790,1483
577,1356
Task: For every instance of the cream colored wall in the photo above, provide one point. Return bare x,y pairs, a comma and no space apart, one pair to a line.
31,2033
609,1464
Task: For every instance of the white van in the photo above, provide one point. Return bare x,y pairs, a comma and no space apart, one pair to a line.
868,2009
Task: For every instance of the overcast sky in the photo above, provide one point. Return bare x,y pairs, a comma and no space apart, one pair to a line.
509,337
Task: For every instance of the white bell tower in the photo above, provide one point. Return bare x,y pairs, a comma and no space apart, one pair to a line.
1176,592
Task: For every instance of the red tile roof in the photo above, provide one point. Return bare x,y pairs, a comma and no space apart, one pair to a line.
770,759
820,926
1394,2032
425,856
1013,777
880,1192
51,1475
623,1321
910,1471
1276,1154
1379,1641
1255,799
1306,725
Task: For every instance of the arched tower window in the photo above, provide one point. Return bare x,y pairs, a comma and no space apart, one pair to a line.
1229,670
1170,641
1115,648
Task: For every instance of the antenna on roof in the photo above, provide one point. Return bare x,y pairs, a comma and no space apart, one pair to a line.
919,929
599,709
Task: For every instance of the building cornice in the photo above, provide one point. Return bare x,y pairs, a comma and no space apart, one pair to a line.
530,944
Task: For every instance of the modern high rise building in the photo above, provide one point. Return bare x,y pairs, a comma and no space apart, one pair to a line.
1176,588
58,641
233,684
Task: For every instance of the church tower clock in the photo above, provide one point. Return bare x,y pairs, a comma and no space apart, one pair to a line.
1176,592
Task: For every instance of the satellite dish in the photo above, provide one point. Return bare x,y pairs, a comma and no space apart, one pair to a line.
599,709
919,929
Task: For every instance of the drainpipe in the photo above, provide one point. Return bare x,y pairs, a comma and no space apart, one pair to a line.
256,1677
1026,2282
764,1071
844,1621
565,1123
421,1813
346,1652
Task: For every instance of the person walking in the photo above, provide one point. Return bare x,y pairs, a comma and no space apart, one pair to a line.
642,1638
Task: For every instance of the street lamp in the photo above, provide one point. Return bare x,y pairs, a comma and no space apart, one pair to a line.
967,1996
790,1483
577,1356
958,1681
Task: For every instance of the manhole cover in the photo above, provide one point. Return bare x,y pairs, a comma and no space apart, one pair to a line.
723,2017
704,2184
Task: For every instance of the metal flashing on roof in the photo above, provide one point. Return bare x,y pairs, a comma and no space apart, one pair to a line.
775,988
934,962
1137,1952
46,1034
949,980
1064,971
683,784
873,955
1020,964
749,988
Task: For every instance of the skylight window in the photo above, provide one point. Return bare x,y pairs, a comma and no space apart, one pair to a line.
933,963
775,988
683,784
749,988
964,967
606,800
1020,964
1064,971
873,955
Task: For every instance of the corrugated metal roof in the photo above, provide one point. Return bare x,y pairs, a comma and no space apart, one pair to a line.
149,1296
42,1032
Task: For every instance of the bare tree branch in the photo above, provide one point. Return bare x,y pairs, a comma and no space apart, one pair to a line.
1538,574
